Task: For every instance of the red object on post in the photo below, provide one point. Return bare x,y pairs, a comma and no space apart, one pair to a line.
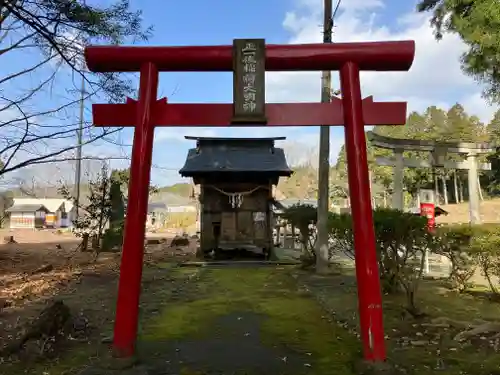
429,211
367,274
148,112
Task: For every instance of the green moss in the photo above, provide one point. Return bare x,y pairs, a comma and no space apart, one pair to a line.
165,265
288,318
291,319
339,293
185,320
302,325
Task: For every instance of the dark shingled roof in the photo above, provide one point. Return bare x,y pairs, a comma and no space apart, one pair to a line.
27,208
216,155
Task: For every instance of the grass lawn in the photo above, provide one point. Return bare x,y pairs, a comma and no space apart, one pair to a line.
226,320
423,346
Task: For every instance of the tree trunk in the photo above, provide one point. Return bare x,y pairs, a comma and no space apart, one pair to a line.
445,189
84,246
455,186
385,199
95,242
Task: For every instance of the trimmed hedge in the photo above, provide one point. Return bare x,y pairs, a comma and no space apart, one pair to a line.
402,243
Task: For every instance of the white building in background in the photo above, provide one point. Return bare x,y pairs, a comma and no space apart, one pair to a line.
40,212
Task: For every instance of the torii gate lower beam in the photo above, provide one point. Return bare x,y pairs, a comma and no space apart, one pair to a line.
351,111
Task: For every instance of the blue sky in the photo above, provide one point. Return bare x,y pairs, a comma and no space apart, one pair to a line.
435,79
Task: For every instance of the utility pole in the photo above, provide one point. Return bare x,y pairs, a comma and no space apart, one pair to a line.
322,257
79,135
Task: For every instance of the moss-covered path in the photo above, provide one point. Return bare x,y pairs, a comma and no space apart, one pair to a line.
244,321
241,320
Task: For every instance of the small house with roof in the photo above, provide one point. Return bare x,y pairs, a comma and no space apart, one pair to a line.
27,216
40,213
235,177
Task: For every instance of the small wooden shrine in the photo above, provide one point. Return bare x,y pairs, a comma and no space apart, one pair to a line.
235,177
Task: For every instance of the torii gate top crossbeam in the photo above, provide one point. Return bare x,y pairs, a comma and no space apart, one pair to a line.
368,56
428,145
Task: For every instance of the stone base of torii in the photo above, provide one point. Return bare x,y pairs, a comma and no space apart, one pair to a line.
437,159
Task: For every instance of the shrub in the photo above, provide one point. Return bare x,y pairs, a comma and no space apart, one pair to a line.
401,240
485,250
454,243
340,234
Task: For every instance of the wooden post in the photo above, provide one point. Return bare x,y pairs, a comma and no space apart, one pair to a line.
367,273
129,287
324,155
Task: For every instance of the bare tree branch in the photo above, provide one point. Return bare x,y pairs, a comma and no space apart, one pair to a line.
47,38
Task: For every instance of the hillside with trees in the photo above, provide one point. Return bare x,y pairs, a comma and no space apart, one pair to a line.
452,124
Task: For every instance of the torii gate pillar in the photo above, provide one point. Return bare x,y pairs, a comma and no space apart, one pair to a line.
350,111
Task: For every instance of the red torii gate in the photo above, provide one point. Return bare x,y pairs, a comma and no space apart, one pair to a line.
350,111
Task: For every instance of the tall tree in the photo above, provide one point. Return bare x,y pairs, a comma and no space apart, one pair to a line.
436,123
416,178
493,129
493,177
41,48
122,177
477,22
113,236
458,125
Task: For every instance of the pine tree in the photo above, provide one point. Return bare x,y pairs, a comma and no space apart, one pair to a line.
493,177
436,123
113,236
459,127
493,129
477,23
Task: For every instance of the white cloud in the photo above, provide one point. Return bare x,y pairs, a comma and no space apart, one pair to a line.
434,79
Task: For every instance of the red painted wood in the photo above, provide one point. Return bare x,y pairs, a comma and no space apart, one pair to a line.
148,112
367,273
374,56
129,287
278,114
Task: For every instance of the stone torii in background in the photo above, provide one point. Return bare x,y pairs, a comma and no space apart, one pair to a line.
437,159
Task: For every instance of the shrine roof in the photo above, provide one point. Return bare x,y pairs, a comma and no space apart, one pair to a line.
235,155
235,142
